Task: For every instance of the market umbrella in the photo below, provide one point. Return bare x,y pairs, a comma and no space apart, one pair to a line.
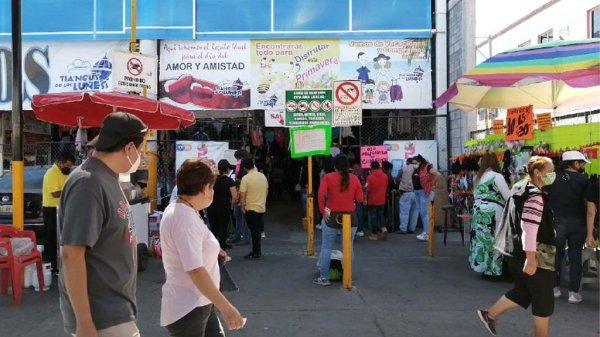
563,75
88,109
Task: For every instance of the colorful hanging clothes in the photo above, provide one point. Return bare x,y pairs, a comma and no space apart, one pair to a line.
491,193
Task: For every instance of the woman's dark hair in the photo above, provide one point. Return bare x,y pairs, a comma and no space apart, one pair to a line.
488,161
193,176
420,159
375,165
386,165
340,162
223,166
327,164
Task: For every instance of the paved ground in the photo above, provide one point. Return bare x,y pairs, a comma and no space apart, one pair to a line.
400,292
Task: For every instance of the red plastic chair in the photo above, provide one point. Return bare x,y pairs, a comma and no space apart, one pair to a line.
15,265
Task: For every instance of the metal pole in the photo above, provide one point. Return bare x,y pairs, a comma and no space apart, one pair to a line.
17,120
310,246
346,250
133,46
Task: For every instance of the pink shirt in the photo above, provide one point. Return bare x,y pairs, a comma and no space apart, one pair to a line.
187,244
530,222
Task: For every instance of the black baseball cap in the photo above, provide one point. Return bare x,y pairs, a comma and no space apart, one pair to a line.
118,128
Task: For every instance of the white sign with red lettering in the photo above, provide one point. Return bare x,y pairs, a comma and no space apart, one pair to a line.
347,103
274,118
132,71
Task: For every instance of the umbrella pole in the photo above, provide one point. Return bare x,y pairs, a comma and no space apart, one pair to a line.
17,121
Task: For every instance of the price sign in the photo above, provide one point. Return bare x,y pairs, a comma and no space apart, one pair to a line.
498,126
544,121
519,123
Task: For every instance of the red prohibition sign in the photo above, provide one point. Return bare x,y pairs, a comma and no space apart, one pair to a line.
134,66
350,91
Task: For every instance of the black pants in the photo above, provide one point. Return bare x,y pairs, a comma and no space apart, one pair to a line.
200,322
535,290
256,226
573,232
219,223
51,248
376,217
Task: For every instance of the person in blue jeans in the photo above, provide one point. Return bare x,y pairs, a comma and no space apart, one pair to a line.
339,193
409,210
424,181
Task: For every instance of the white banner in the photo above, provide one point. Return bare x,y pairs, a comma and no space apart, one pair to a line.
274,118
187,149
205,75
131,72
396,74
58,67
401,150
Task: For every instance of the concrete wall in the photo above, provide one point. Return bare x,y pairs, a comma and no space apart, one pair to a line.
461,49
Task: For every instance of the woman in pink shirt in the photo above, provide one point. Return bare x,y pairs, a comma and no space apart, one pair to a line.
526,235
190,258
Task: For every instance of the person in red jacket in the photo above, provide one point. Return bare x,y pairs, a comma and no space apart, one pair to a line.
377,185
338,193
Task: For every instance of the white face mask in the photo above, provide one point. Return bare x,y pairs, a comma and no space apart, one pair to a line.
135,165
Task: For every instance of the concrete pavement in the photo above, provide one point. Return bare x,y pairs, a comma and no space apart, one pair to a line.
399,292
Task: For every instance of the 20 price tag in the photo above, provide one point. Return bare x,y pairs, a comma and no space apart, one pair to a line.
519,123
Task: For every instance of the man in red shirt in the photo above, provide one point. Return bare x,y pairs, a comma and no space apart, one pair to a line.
377,185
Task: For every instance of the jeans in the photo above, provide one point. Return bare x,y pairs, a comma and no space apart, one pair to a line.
573,232
328,238
241,229
359,216
423,207
257,226
376,218
200,322
409,211
303,197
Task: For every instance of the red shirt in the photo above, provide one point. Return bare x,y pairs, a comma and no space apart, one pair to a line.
338,200
377,185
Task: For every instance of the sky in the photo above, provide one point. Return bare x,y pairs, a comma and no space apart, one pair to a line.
494,15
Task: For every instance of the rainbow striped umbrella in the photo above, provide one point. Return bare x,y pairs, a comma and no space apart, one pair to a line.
563,76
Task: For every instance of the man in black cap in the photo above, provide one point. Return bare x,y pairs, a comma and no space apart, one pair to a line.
98,275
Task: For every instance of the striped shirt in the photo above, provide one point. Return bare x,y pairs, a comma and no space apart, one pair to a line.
531,220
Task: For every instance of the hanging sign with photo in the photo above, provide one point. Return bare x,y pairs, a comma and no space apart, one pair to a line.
519,123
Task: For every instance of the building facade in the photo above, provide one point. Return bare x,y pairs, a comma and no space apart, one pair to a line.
237,58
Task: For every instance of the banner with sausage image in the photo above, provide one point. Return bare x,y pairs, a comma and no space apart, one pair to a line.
205,75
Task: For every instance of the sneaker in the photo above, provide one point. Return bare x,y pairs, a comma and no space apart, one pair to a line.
263,235
360,233
557,292
574,297
423,237
252,256
383,234
373,237
318,226
488,322
321,281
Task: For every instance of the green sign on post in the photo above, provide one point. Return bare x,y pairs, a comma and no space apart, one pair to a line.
310,140
308,107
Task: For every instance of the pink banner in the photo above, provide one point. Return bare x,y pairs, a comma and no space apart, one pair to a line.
369,154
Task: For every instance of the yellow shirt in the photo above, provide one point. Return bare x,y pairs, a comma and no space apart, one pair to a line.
256,187
54,181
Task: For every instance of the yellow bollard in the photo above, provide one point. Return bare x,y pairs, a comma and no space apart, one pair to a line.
18,203
347,250
152,153
431,242
310,229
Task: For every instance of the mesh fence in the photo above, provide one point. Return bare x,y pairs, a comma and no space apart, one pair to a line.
43,153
